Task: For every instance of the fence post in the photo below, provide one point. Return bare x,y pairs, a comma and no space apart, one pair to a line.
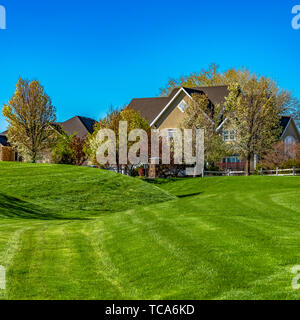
261,171
277,171
229,172
294,171
203,173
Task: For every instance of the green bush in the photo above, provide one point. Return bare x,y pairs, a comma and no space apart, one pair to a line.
290,164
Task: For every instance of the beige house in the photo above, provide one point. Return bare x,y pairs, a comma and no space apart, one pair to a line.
168,113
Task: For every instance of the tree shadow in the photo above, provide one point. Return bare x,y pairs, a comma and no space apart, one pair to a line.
189,195
160,181
11,207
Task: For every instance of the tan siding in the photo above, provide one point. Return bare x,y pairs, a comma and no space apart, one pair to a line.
173,117
292,131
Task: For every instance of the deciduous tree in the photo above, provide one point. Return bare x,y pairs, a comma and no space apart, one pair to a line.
30,114
111,121
253,111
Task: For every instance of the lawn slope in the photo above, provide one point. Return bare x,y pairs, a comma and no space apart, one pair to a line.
212,238
57,191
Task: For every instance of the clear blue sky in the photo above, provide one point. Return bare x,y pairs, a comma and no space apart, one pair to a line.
91,54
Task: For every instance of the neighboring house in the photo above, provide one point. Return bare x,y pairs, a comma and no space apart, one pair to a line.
6,151
81,126
168,113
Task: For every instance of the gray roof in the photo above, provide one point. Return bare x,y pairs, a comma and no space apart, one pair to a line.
151,107
3,140
82,126
284,121
215,94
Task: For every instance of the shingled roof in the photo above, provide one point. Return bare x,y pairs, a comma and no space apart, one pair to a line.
215,94
284,121
82,126
150,108
3,140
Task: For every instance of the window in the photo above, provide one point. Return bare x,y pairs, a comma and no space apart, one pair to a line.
182,106
289,140
229,135
233,159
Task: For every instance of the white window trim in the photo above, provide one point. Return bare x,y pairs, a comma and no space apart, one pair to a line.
185,106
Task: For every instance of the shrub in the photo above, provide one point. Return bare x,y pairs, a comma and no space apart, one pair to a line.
69,150
290,164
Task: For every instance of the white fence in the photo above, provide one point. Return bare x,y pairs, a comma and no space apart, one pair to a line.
277,172
281,172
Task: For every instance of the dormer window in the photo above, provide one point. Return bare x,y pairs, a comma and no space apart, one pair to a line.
229,135
290,140
182,106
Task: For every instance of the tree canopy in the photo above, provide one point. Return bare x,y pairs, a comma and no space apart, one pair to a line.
111,121
30,114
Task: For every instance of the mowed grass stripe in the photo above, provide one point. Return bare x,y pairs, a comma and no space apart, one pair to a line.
222,238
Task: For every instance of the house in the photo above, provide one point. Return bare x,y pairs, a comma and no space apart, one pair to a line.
6,151
168,113
81,126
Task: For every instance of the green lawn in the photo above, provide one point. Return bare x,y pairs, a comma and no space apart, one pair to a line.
82,233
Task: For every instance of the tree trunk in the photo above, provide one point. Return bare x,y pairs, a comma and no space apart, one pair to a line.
33,157
248,165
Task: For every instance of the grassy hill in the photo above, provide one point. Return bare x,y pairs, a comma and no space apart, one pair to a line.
82,233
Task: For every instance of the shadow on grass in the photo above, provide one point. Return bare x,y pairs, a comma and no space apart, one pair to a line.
11,207
159,181
189,195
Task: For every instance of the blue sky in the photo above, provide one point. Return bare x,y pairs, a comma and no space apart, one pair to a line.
93,54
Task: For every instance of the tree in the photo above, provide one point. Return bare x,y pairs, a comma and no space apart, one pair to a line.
275,157
205,78
77,147
281,155
69,150
202,114
111,121
30,114
62,152
253,111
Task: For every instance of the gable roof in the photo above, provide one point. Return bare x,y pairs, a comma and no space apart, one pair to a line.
149,108
215,94
82,126
152,108
284,122
3,140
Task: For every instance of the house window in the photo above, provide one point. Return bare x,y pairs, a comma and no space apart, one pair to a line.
289,140
229,135
182,106
233,159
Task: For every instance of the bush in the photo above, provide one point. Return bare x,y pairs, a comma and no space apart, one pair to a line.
290,164
212,168
69,150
